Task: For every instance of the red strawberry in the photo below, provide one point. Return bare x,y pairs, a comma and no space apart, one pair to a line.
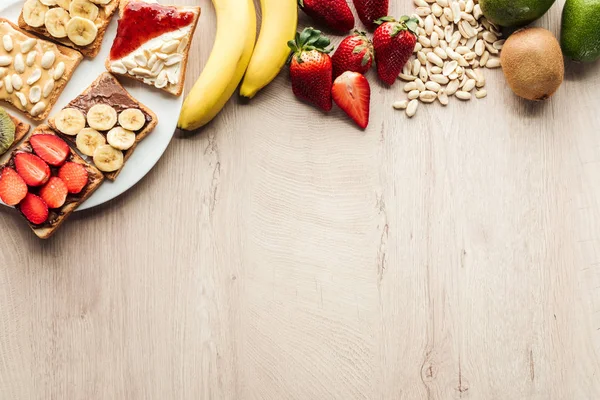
370,11
394,42
352,93
54,193
13,188
355,53
74,175
311,69
33,170
34,209
334,14
50,148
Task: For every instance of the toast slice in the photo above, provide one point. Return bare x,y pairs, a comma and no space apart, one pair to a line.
157,57
21,129
46,27
58,216
107,90
28,57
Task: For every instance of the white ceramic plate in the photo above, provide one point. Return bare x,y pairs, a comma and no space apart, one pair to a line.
149,151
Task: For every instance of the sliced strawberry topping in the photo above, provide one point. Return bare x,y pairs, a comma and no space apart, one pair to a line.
12,187
352,93
74,175
54,193
34,209
50,148
33,170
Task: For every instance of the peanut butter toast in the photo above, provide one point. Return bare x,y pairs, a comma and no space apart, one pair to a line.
79,24
34,71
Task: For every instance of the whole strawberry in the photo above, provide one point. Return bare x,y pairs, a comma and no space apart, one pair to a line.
394,43
370,11
334,14
355,54
311,69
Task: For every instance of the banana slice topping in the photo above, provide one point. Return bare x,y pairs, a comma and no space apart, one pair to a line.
81,31
120,139
102,117
84,9
88,140
70,121
34,13
107,158
56,22
132,119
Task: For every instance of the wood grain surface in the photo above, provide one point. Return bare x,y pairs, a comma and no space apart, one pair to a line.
283,254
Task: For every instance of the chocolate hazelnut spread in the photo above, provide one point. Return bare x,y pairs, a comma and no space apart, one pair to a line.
106,91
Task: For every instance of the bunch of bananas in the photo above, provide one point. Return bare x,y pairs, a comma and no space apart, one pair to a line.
234,56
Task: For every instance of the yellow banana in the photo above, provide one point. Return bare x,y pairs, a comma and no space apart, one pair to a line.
231,53
279,23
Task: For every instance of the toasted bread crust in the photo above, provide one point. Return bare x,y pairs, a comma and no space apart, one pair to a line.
90,50
66,52
95,180
174,90
139,136
21,129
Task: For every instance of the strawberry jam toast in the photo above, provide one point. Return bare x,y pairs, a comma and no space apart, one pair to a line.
46,181
153,43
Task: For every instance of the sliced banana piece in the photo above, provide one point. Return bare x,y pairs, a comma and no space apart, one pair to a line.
70,121
107,158
64,4
132,119
102,117
56,22
120,138
48,2
101,2
81,31
34,13
88,140
84,9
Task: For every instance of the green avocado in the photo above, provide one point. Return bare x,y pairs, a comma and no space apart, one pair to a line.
580,35
514,12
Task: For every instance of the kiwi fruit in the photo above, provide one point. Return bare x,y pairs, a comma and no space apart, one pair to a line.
7,131
532,63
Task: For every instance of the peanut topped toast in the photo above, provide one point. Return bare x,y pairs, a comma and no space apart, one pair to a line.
34,71
153,43
46,181
79,24
105,123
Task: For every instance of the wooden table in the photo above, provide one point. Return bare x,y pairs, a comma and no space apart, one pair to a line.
284,254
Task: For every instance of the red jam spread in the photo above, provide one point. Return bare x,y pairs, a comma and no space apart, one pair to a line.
142,22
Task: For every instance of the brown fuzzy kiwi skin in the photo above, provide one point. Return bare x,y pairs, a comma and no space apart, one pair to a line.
533,63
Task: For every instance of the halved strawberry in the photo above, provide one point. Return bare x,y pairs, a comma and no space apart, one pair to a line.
352,93
34,209
74,175
54,193
13,188
50,148
33,170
